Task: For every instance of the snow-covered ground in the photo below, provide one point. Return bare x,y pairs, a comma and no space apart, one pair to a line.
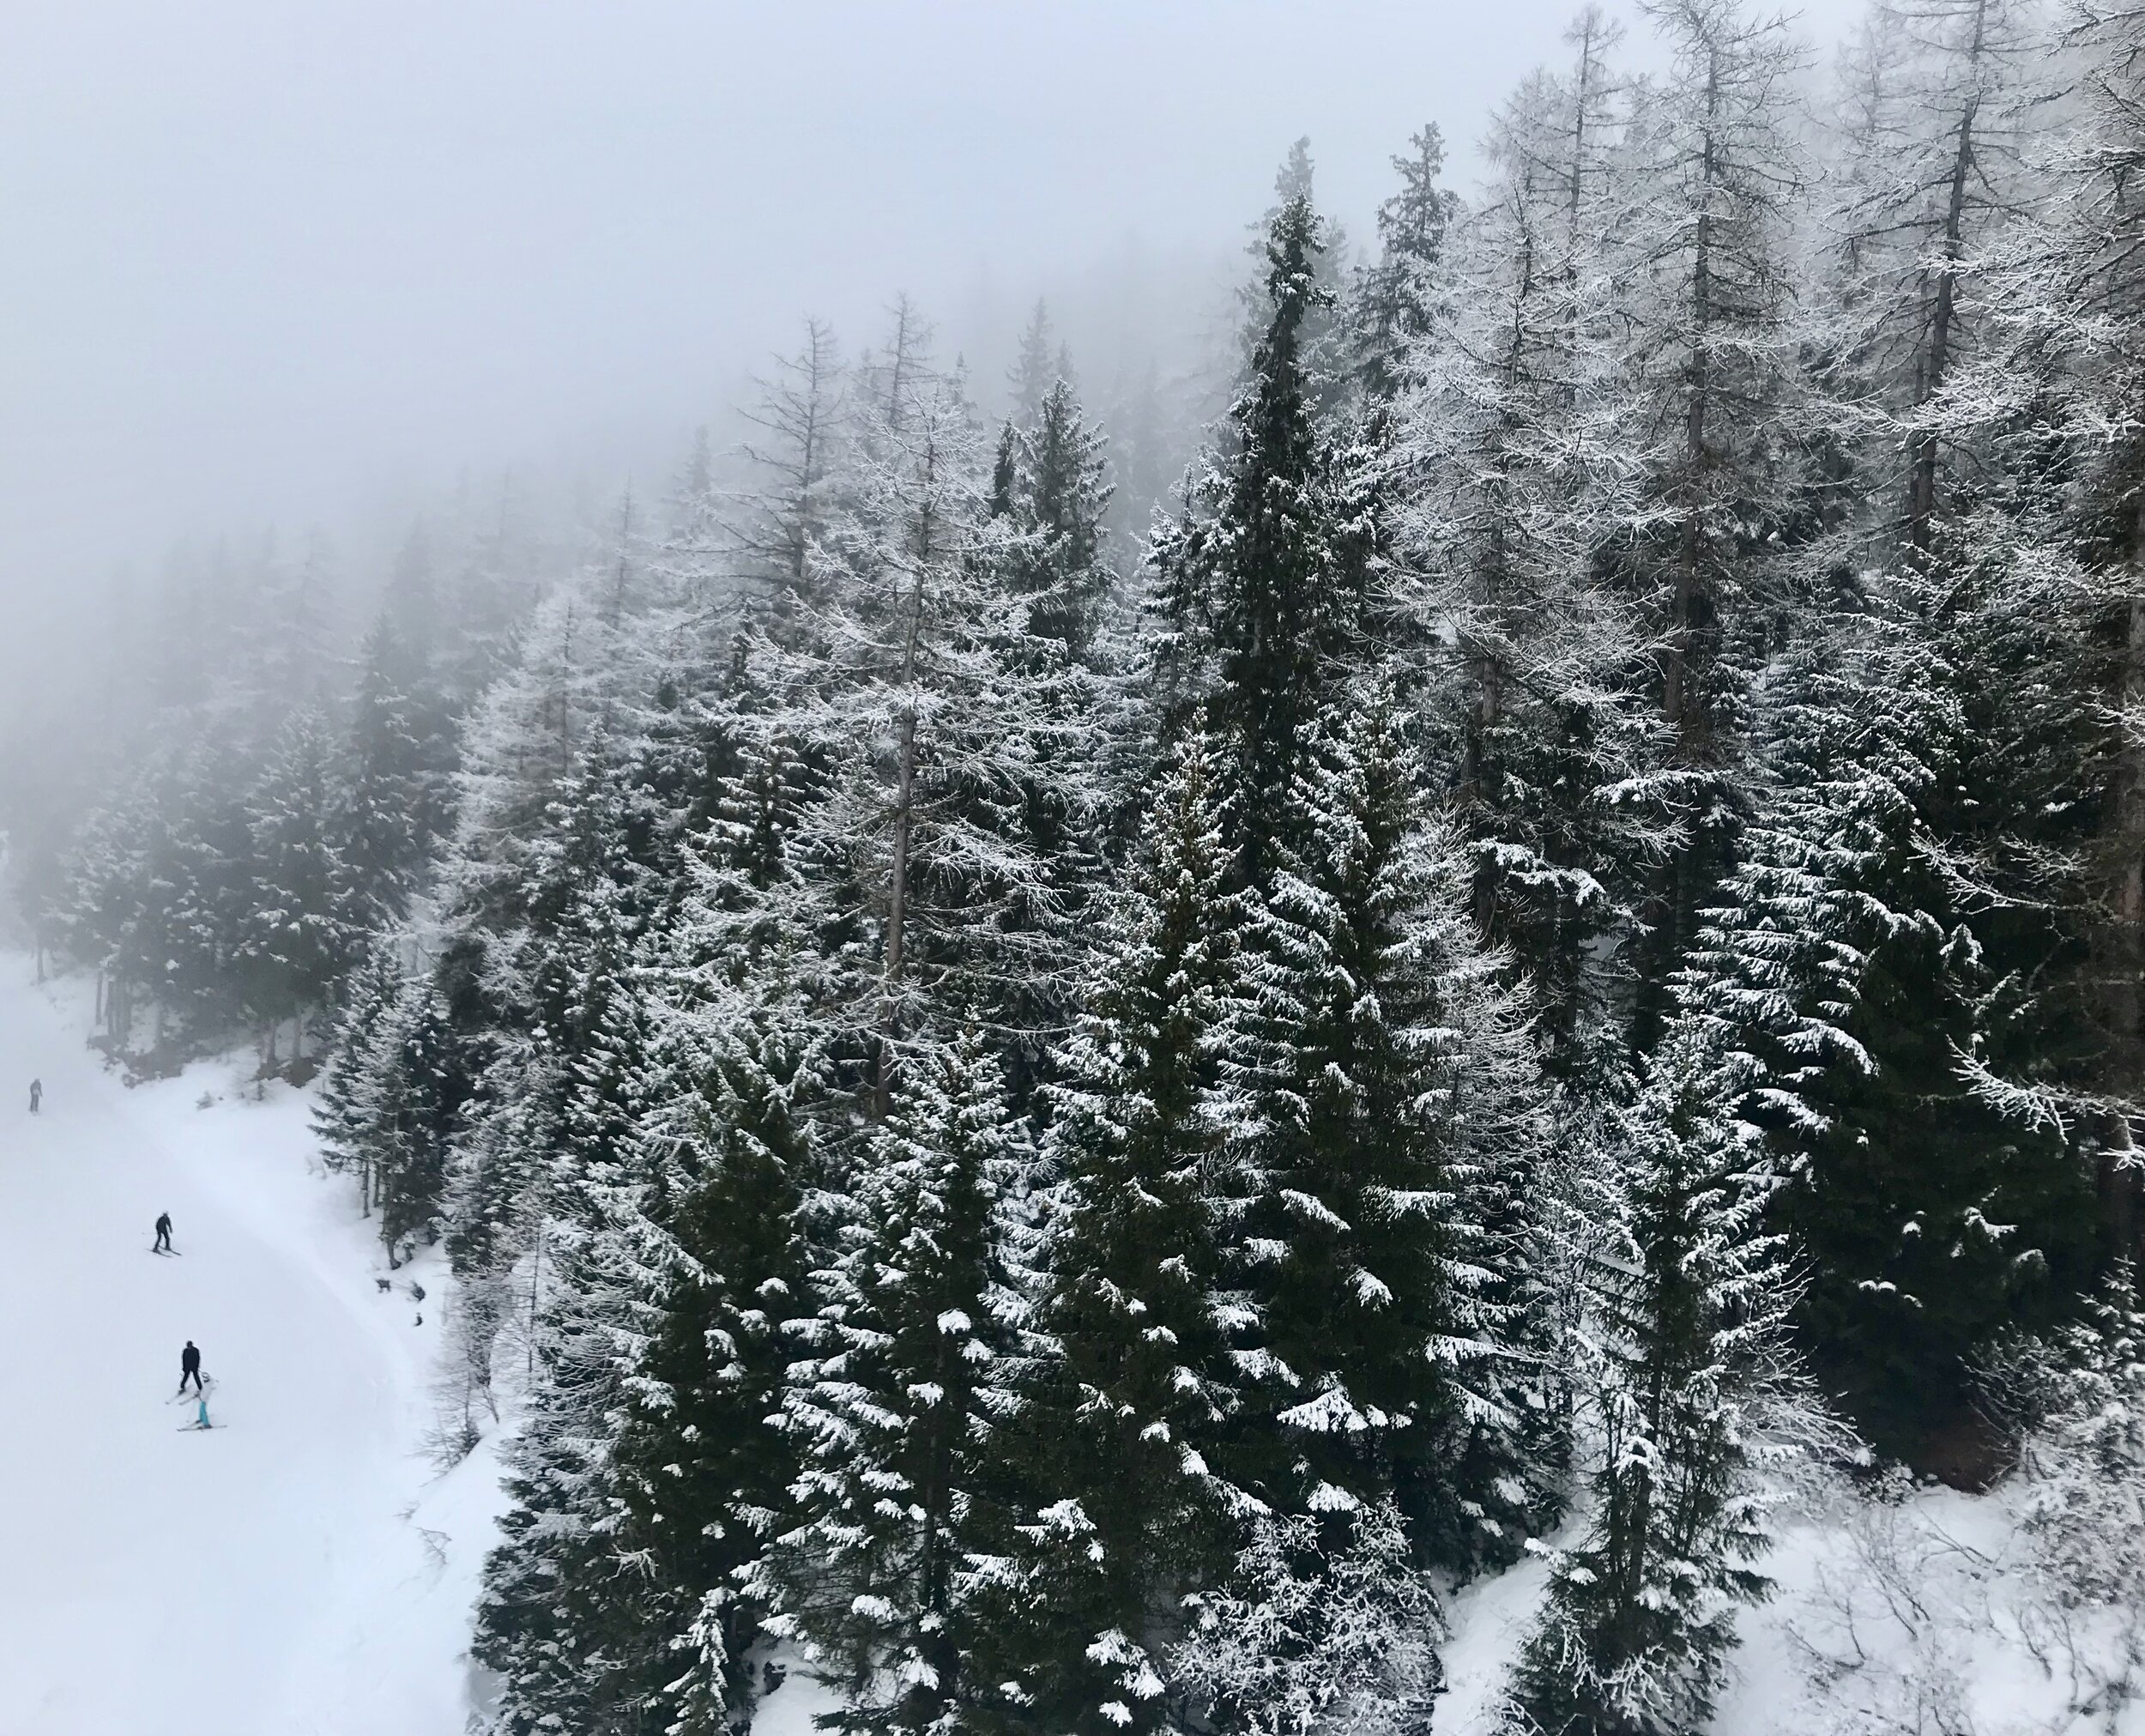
1921,1614
298,1570
302,1570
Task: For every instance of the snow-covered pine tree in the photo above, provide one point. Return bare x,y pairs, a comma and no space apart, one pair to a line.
1931,164
571,1614
2067,685
1057,495
1389,301
914,686
384,822
1387,1109
417,1089
907,1378
1324,334
534,993
1708,179
896,669
1260,587
593,1186
1043,551
293,942
1842,960
1695,1394
703,1482
1115,1454
1508,474
343,1115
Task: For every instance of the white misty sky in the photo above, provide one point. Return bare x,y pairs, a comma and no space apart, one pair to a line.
266,257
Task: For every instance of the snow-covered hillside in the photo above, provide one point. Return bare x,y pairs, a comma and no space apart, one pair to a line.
300,1569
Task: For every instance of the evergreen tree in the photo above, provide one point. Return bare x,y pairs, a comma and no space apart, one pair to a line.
1842,961
703,1481
1117,1447
950,732
1035,370
895,1411
343,1117
1509,474
1386,1111
2057,564
1262,587
570,1613
1390,303
294,944
381,826
1710,174
1054,492
1695,1397
417,1088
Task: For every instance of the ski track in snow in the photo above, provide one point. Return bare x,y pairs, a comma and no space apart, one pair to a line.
298,1571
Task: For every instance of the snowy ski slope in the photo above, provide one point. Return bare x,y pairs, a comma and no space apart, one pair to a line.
298,1571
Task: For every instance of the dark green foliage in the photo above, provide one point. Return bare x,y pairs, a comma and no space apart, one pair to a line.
418,1089
1934,1202
1693,1291
1129,1393
1262,592
896,1408
1386,1122
703,1480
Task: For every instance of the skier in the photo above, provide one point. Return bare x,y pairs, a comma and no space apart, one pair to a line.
189,1369
37,1094
163,1233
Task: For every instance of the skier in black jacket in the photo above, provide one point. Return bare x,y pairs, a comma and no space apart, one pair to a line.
189,1367
163,1233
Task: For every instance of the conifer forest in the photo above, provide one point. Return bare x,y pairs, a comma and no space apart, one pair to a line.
1084,1040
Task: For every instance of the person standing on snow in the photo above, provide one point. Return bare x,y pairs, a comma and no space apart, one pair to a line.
163,1233
189,1369
37,1094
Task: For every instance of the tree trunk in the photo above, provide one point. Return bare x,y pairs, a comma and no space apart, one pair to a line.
1921,495
905,814
2120,1178
1676,698
897,905
535,1279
